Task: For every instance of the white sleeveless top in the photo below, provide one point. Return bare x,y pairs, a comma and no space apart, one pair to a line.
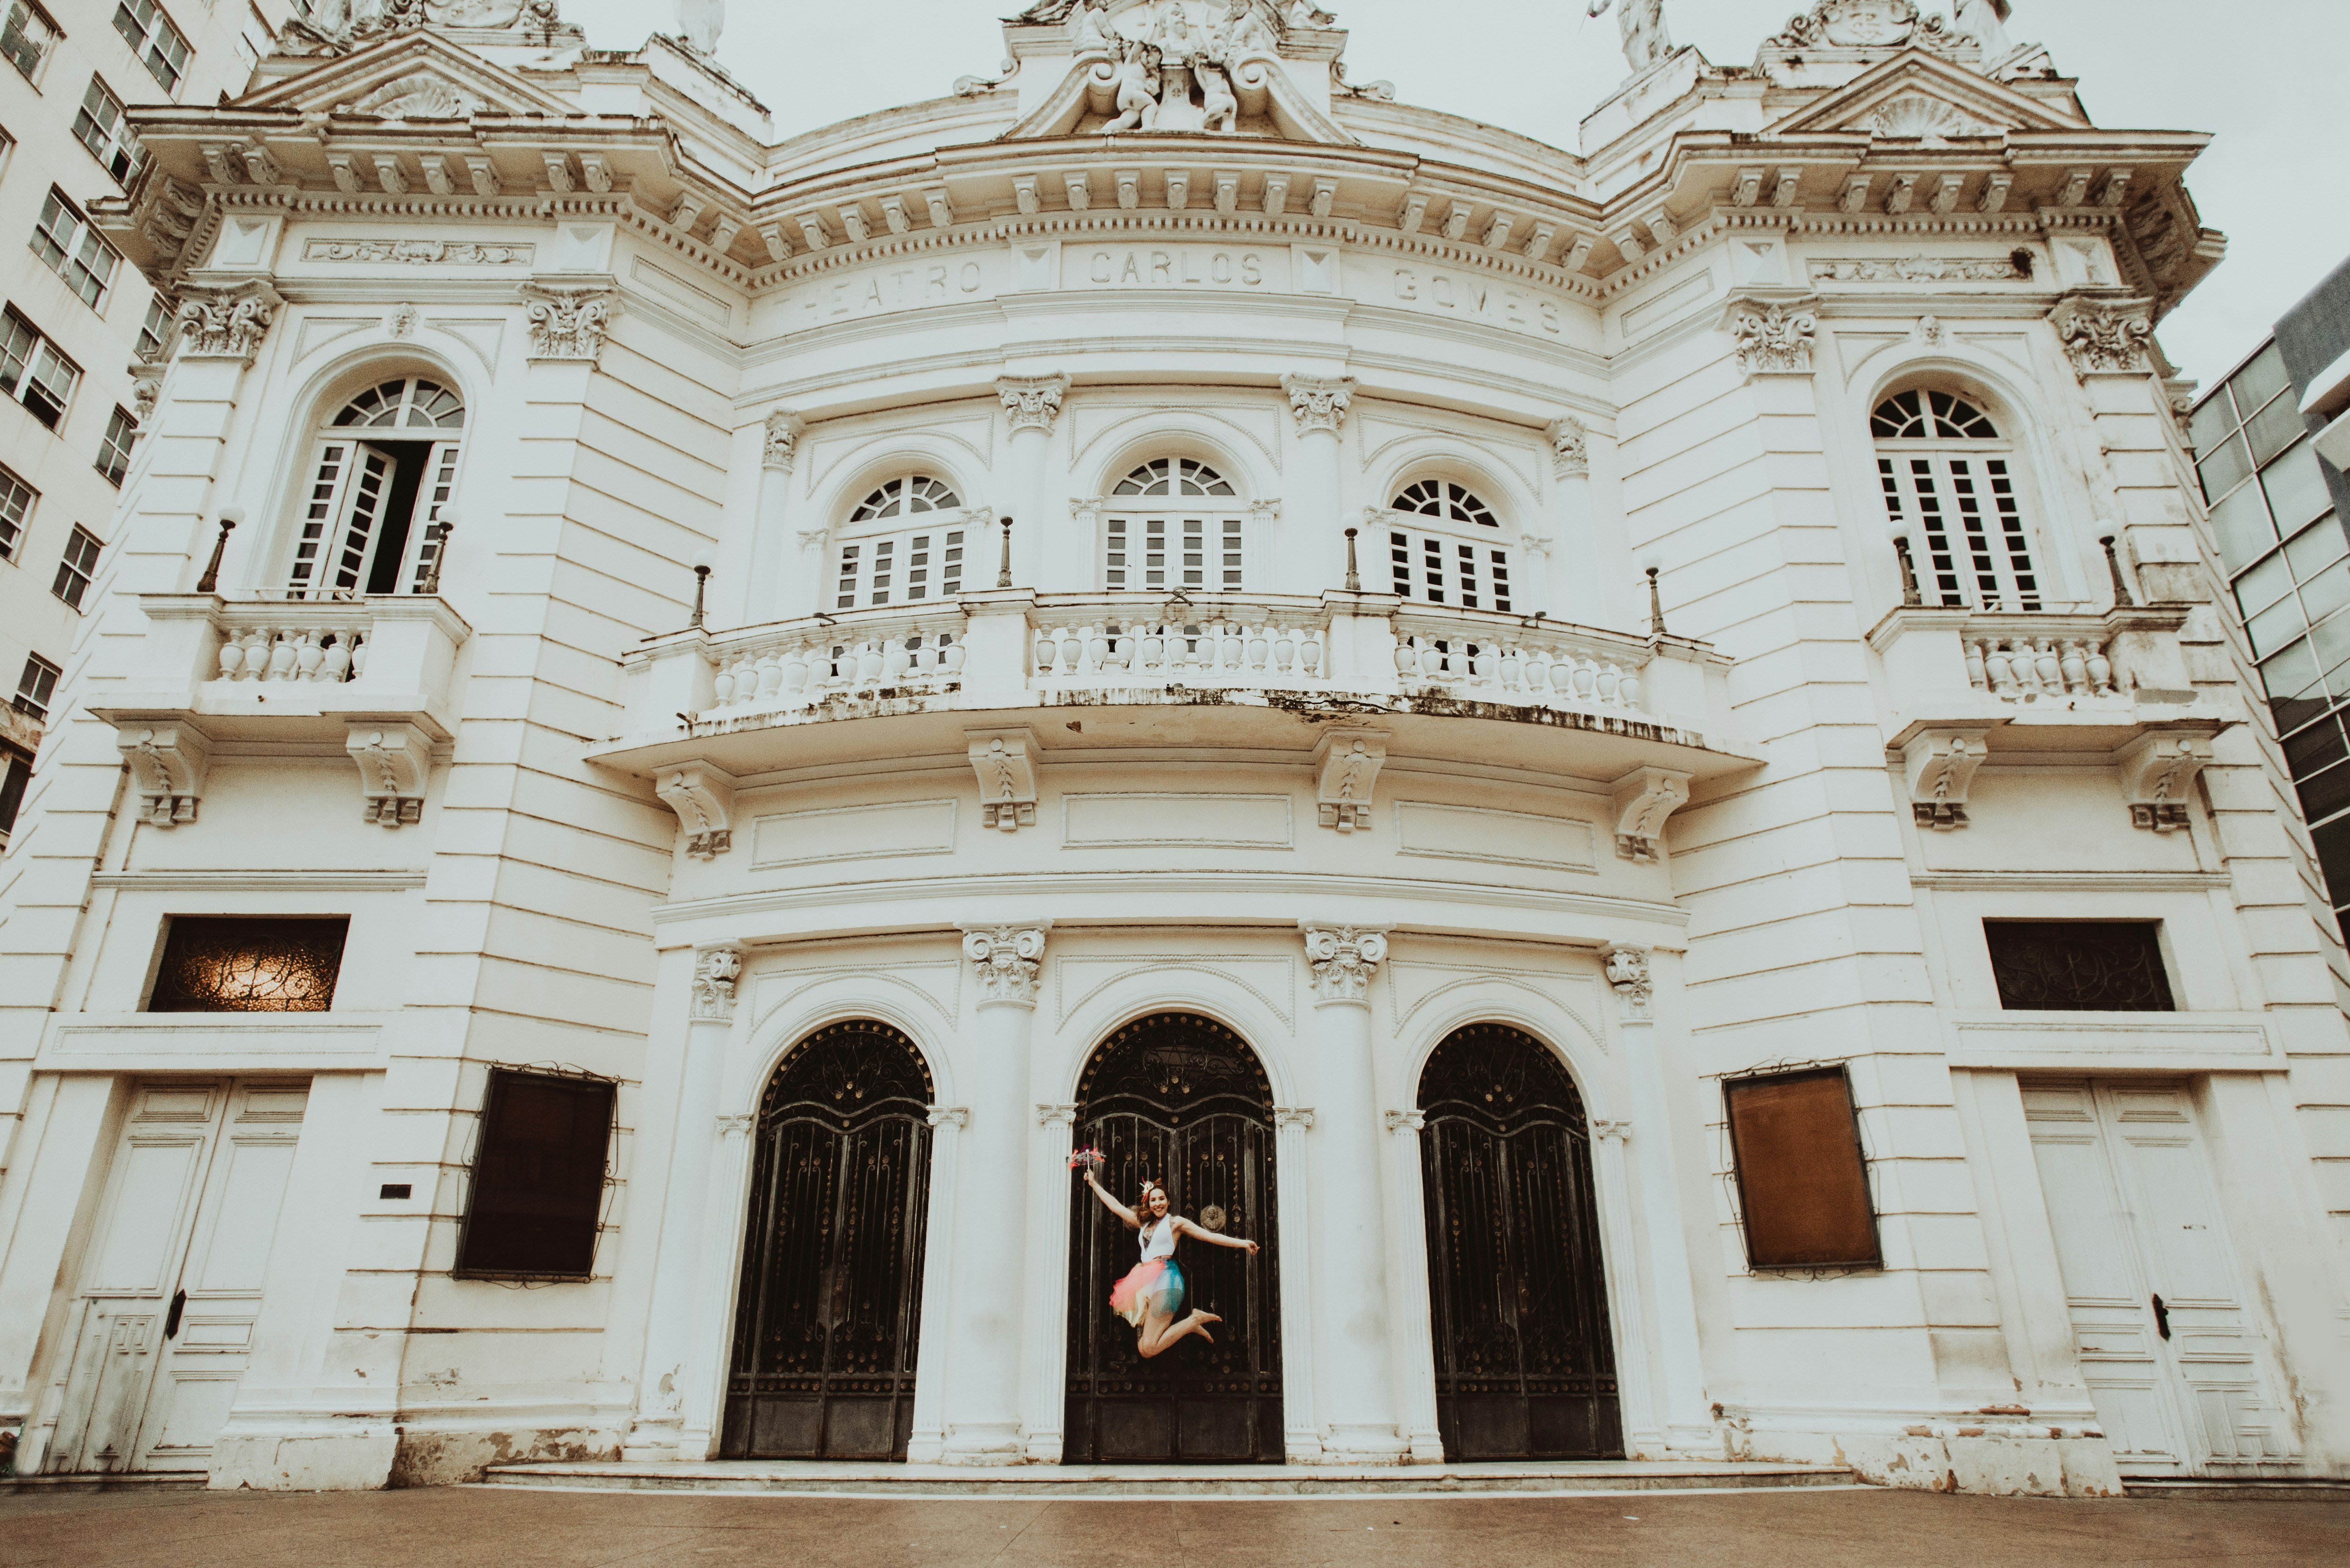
1158,1241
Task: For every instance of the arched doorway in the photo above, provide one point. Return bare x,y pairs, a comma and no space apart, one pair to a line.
1181,1100
830,1310
1526,1367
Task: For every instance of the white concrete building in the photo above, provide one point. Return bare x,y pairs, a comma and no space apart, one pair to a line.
83,334
1447,762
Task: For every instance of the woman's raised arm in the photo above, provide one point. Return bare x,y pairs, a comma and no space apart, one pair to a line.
1185,1226
1112,1204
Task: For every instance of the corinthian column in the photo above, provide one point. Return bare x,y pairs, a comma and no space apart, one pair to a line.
785,582
661,1391
1034,403
1315,558
991,1238
1356,1371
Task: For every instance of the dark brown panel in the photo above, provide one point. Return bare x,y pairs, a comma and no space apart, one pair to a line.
1803,1183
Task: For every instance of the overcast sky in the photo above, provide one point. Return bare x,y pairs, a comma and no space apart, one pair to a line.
2262,75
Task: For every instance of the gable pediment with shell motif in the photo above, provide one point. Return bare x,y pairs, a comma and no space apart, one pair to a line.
413,76
1917,96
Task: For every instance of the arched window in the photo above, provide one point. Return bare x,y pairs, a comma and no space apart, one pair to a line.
368,521
1173,523
1950,479
883,562
1444,548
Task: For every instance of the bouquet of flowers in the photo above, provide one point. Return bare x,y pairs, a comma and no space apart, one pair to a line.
1091,1159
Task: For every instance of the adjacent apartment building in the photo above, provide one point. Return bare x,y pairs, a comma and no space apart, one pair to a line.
82,335
1628,760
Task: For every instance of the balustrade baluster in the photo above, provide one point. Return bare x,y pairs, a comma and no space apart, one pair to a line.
2074,667
335,667
2100,670
1977,677
2047,667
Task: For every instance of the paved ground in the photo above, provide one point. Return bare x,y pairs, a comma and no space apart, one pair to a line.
504,1528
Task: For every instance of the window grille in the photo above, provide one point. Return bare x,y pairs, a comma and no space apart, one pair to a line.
2079,966
369,518
32,371
78,566
915,566
157,43
27,36
1947,477
1155,541
35,686
64,240
240,964
16,500
536,1196
114,448
106,132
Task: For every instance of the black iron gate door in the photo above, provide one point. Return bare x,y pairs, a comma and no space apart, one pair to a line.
1526,1367
1181,1100
829,1315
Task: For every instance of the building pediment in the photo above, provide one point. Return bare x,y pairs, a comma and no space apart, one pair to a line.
410,76
1917,95
1104,94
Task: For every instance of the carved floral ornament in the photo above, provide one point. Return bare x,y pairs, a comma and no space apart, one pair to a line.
1006,959
1570,448
351,22
1869,25
715,971
1033,401
2103,337
567,321
783,430
226,323
1775,338
1626,969
1319,403
1344,958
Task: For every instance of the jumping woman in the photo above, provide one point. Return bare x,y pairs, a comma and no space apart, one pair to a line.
1152,1291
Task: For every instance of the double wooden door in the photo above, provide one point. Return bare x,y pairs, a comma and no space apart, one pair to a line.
162,1327
1181,1100
2180,1371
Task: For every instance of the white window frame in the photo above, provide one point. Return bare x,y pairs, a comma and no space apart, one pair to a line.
103,126
115,447
16,501
1461,557
64,239
1174,524
78,567
911,543
1959,498
156,40
155,329
22,42
40,677
31,368
352,471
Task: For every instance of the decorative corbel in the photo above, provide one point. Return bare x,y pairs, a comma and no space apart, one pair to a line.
1940,764
1645,797
703,798
395,763
167,765
1005,762
2158,773
1346,766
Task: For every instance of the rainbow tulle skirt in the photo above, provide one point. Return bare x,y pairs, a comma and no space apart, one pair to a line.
1158,1283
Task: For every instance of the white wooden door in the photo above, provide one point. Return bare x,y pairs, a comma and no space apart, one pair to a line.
173,1278
2180,1370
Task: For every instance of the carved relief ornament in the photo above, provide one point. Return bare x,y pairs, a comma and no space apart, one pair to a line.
1626,969
1033,401
1775,335
1006,959
1570,448
715,969
1319,403
568,320
1344,958
226,323
1867,25
783,430
2103,336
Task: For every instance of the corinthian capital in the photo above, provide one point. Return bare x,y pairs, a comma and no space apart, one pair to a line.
568,320
1344,958
227,322
2103,336
784,428
1005,960
715,969
1628,975
1319,403
1033,401
1570,449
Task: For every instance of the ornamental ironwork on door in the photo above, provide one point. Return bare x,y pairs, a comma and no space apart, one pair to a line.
1177,1100
830,1310
1525,1364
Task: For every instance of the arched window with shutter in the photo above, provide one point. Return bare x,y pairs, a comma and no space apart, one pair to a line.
1950,481
1445,547
1173,523
386,467
906,544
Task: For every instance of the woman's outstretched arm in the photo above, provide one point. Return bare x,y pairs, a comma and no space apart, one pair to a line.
1115,1207
1185,1228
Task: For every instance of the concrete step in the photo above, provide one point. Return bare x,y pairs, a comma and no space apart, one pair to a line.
2240,1489
142,1481
838,1480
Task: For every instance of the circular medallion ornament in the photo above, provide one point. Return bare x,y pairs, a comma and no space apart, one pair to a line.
1212,1217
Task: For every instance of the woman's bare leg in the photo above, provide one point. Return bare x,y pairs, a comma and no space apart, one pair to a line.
1152,1339
1158,1334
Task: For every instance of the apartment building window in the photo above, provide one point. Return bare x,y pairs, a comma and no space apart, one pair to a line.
16,499
157,43
27,37
155,331
16,772
78,566
1949,476
65,238
114,447
32,371
35,686
2284,550
106,132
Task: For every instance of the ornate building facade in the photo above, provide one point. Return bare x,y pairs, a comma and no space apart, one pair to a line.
1626,758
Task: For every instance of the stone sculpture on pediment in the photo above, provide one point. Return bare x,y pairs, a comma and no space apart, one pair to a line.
1642,24
345,23
1869,25
420,95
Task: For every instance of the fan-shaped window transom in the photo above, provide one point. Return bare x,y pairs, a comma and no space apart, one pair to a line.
410,403
1441,498
904,497
1174,477
385,470
1950,487
1922,415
